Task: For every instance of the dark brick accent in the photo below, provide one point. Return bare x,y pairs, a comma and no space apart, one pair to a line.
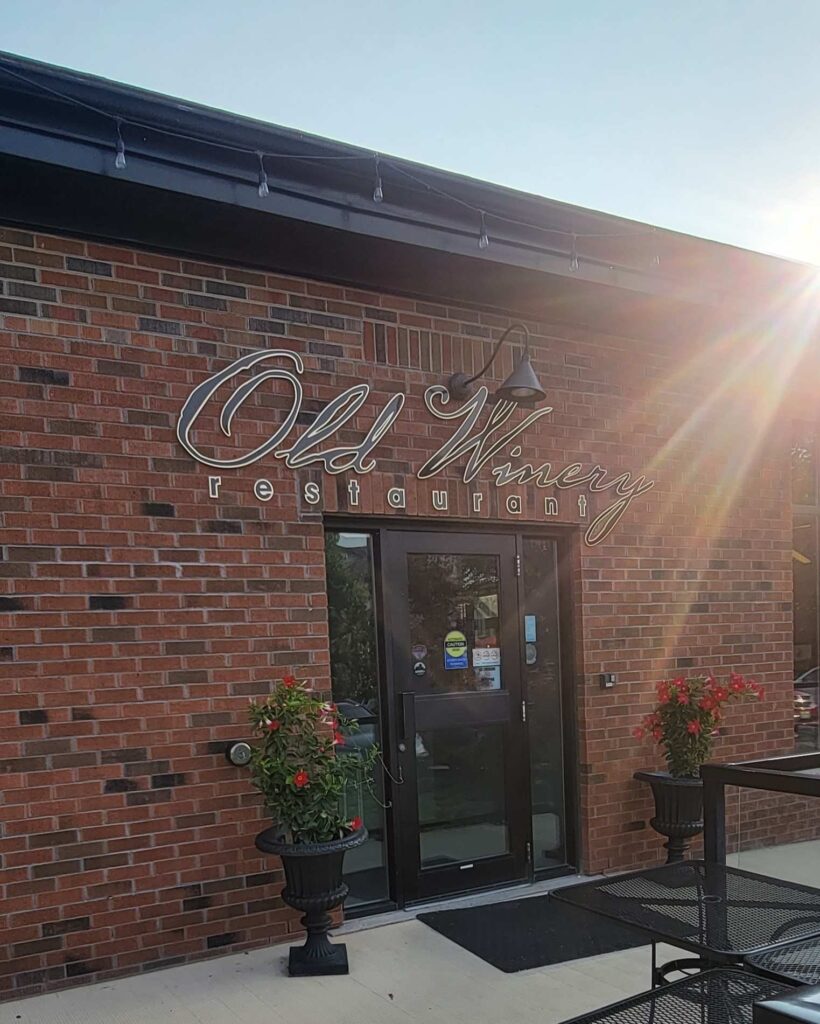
95,267
35,716
223,526
22,949
206,302
225,939
160,509
14,272
149,323
296,316
40,841
265,326
164,781
11,604
32,291
19,306
118,369
119,785
6,654
72,924
41,375
107,602
236,291
323,320
324,348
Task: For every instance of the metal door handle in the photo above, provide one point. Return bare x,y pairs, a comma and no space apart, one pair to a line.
408,717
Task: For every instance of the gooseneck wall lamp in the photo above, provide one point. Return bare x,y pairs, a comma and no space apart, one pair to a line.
522,385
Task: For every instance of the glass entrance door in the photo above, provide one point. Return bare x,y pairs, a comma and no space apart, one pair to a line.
451,616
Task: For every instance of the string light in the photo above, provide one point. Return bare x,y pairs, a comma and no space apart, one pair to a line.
483,238
119,160
263,189
378,191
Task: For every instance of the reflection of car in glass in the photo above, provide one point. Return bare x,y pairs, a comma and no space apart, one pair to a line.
363,735
805,697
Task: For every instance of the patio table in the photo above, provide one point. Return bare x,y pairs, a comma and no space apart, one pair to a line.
725,915
798,962
719,996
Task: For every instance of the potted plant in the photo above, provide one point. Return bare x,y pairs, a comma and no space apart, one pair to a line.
684,723
302,773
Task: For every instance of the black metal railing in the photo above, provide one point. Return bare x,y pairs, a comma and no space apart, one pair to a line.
798,774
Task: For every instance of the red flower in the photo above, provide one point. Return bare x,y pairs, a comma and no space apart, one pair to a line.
761,693
338,738
301,779
737,686
274,724
706,703
637,732
693,727
683,698
356,823
657,734
289,682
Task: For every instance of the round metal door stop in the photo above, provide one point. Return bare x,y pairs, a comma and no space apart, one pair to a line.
238,753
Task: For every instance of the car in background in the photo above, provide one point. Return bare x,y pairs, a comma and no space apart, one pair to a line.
805,698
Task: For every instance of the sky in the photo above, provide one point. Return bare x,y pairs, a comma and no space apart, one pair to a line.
702,117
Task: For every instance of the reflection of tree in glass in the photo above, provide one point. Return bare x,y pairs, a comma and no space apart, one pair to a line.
450,592
351,621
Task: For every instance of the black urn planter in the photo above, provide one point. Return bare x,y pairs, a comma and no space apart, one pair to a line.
313,884
678,810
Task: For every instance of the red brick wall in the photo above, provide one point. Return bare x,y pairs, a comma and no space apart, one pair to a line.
137,615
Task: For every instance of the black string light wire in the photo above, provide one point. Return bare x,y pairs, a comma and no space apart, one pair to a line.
263,187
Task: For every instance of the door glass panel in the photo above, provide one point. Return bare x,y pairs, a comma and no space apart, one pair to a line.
542,679
354,680
454,606
460,773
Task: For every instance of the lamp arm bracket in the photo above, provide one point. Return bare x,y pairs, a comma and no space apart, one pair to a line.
498,344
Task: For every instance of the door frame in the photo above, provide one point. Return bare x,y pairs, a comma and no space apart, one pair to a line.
505,706
567,539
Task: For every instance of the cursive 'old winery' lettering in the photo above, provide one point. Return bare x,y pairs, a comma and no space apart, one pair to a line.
318,445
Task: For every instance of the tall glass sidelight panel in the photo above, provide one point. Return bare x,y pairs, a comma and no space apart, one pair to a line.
542,685
354,671
806,655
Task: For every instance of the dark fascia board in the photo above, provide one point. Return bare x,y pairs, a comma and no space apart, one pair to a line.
335,194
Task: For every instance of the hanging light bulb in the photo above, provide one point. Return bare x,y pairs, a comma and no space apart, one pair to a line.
378,191
573,257
483,238
263,189
119,160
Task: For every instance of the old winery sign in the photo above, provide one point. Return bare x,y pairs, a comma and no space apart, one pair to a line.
484,444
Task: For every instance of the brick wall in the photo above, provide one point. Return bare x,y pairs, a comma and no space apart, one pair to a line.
138,614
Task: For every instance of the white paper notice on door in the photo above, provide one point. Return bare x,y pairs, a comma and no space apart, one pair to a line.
484,657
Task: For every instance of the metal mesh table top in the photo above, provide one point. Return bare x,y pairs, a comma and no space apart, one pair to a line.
707,908
713,997
798,962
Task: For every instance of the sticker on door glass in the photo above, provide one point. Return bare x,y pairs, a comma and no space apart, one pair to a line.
529,629
455,649
418,652
484,657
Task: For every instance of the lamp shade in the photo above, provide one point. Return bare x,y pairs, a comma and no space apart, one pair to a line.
522,385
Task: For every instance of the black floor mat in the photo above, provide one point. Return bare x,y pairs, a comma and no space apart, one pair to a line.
520,934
